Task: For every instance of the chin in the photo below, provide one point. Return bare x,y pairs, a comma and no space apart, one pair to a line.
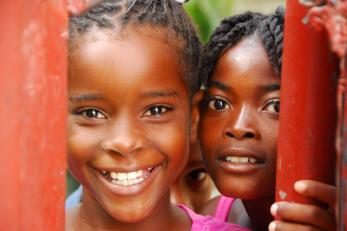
130,214
245,189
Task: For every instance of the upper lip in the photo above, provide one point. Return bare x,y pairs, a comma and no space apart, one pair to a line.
240,152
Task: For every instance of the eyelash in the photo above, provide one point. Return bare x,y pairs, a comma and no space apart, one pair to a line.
272,102
157,110
211,103
97,112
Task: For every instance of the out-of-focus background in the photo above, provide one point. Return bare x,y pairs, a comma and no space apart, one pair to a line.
207,14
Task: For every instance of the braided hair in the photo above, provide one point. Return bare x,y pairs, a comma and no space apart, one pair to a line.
233,29
115,15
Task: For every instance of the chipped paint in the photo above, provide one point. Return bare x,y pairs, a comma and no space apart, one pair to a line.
282,194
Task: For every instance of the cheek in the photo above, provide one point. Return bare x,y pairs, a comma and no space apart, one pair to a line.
173,141
270,136
82,146
210,135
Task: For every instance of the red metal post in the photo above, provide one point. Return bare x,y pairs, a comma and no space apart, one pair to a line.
32,114
308,106
332,16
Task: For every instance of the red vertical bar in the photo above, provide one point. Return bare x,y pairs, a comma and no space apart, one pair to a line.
308,106
32,114
342,159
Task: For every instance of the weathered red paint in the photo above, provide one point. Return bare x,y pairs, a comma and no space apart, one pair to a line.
332,16
32,114
308,106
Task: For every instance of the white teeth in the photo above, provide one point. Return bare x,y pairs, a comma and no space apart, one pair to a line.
127,178
242,160
113,175
132,175
122,176
127,182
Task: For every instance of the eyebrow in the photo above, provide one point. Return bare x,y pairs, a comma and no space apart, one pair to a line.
219,85
272,87
85,97
155,94
223,87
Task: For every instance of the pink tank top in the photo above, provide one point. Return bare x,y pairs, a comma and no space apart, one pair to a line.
209,223
223,208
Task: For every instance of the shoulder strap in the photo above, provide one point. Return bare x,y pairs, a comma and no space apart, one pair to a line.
223,208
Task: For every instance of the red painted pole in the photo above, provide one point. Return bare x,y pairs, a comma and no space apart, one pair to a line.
32,114
308,106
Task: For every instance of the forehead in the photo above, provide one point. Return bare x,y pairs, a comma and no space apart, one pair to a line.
133,61
246,61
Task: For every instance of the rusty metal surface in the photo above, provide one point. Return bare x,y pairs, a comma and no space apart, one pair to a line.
308,106
32,114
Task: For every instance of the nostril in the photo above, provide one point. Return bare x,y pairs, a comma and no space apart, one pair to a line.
249,135
229,134
239,135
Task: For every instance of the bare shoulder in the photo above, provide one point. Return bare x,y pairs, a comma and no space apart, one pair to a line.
210,207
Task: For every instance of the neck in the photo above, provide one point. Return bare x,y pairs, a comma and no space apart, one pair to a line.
259,212
164,215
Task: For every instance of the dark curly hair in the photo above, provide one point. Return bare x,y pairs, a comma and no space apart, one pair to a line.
115,15
233,29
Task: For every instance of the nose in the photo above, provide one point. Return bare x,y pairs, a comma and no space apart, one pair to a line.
123,137
241,125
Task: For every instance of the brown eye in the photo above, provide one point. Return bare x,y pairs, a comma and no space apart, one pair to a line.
196,175
92,114
218,104
273,106
156,110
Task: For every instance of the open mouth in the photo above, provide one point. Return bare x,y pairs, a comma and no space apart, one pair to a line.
127,178
127,183
237,164
241,160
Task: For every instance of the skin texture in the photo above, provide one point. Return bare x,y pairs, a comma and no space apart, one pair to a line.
129,110
194,186
240,119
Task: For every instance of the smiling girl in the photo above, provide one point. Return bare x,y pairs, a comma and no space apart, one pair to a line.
132,75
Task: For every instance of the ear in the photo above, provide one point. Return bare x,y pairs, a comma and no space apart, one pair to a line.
195,116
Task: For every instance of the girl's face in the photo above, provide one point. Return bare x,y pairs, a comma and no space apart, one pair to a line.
129,122
240,121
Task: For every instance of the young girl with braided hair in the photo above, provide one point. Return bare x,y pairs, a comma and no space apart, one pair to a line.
131,79
239,127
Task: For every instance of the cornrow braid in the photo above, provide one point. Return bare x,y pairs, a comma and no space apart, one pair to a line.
233,29
115,15
272,37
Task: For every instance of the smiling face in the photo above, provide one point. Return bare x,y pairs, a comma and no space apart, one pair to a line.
240,122
129,121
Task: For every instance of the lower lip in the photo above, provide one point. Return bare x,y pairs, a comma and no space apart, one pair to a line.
239,168
129,190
